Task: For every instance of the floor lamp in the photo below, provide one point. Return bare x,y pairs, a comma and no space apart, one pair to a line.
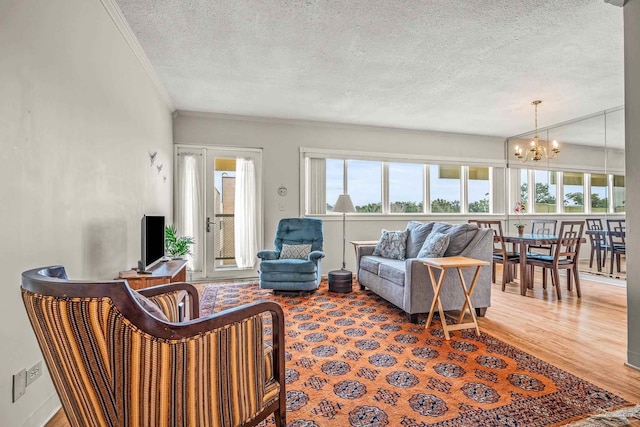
341,280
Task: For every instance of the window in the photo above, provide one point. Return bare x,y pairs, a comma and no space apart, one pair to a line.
400,187
573,190
478,189
364,185
444,188
619,194
406,187
599,191
545,192
524,186
335,182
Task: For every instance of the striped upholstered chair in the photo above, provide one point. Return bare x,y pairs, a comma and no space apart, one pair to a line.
113,363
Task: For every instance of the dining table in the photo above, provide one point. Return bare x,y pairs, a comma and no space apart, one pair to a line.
523,241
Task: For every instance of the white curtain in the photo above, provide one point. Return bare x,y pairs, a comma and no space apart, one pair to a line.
189,210
246,242
316,191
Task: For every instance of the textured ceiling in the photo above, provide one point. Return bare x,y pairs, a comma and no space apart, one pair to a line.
468,66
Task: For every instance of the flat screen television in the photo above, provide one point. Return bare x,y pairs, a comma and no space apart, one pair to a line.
152,242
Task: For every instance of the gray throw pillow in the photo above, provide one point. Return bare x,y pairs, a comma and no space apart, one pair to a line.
295,251
418,232
434,245
149,306
459,237
392,244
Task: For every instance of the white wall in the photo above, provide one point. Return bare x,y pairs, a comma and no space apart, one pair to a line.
78,117
632,133
281,141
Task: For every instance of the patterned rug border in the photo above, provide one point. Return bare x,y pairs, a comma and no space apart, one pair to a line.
617,418
613,417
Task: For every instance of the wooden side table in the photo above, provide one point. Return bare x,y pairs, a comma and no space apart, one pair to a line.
357,243
459,263
162,273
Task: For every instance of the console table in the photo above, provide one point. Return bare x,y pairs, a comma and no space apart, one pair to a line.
162,273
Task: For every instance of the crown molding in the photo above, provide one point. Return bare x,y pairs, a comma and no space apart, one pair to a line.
322,123
619,3
125,30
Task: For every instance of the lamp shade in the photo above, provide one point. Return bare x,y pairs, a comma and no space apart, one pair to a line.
344,204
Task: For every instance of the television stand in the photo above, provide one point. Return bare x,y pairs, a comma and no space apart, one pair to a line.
162,273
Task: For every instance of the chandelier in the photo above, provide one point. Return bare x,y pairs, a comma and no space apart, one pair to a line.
536,151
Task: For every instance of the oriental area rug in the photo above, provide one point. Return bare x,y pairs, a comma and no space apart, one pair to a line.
355,360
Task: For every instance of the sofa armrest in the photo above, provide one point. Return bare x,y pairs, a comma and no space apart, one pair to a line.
313,255
268,255
362,250
418,291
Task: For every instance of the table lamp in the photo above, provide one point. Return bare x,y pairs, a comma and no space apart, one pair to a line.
341,280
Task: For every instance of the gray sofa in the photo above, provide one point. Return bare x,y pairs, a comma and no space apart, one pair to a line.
406,283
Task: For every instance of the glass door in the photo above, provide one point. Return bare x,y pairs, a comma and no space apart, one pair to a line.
233,213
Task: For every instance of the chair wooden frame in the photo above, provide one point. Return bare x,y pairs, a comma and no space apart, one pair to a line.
565,256
500,254
50,286
616,230
598,242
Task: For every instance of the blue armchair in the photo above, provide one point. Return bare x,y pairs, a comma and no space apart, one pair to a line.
293,265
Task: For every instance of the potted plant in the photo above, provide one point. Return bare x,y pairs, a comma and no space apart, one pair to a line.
520,208
176,246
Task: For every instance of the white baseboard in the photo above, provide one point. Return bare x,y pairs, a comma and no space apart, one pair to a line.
44,413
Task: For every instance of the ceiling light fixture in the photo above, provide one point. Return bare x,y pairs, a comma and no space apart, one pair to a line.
536,151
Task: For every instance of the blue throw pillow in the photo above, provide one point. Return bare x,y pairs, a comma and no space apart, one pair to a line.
434,245
392,244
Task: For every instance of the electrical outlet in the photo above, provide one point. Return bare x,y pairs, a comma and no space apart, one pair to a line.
19,384
34,373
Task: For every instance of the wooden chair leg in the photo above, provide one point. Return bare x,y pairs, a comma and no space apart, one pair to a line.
493,272
576,276
556,277
569,284
505,270
613,255
593,252
544,278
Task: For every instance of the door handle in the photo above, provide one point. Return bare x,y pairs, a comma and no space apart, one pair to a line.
209,224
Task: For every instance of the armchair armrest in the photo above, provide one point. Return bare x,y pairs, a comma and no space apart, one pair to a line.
313,255
194,299
268,255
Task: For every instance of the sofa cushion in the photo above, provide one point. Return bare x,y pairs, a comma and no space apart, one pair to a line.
418,232
295,251
392,244
434,245
459,236
370,263
393,271
288,266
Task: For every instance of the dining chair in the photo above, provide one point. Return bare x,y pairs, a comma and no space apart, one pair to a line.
566,254
500,254
543,226
546,227
598,241
616,230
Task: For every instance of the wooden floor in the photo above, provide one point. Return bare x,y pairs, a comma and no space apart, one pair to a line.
585,336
